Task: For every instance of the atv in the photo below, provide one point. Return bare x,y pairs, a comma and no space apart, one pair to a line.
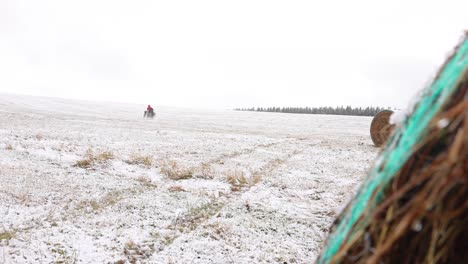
149,114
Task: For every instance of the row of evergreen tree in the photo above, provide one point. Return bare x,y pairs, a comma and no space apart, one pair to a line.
324,110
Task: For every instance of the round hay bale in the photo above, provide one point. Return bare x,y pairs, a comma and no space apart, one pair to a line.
381,128
412,206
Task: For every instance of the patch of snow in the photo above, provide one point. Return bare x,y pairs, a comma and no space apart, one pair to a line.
443,123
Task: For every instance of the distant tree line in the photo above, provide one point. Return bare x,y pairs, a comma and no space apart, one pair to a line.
324,110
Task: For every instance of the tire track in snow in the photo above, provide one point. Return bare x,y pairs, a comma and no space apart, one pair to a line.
226,156
189,222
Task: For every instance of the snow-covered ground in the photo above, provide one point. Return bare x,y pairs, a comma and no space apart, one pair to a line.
89,182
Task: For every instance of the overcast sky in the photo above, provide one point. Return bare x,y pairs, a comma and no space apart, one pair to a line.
225,54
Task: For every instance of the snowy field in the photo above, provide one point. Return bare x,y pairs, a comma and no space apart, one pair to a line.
89,182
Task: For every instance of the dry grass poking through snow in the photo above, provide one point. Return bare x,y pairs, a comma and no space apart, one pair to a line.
146,181
218,230
9,147
238,180
6,236
97,205
195,215
206,172
61,254
92,159
176,172
136,253
140,160
176,188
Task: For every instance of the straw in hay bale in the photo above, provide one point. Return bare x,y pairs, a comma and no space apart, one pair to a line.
413,206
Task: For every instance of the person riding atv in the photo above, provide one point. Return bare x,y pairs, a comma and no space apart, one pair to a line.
149,112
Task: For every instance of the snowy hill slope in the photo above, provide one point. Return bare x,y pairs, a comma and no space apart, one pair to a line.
96,183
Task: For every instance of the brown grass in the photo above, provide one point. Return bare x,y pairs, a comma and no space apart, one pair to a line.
9,147
206,171
176,188
238,180
92,159
219,230
176,172
109,199
256,178
136,253
195,215
104,156
84,163
146,181
6,236
140,160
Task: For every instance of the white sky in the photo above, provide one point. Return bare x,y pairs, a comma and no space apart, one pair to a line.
225,54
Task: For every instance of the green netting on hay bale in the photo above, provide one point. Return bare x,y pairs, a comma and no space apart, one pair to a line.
427,135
